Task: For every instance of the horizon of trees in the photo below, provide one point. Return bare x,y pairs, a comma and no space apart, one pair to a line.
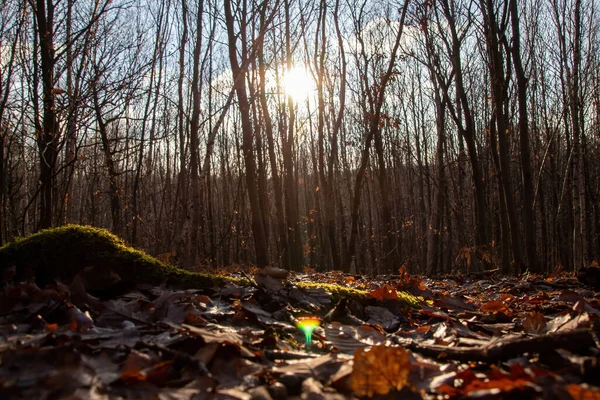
444,135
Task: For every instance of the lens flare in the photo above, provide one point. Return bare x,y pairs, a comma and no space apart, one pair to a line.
298,84
308,325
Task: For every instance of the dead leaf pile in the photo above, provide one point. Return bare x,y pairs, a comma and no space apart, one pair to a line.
475,337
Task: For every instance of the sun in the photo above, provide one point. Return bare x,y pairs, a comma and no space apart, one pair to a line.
298,84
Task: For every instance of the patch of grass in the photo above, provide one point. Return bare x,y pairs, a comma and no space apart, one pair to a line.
62,252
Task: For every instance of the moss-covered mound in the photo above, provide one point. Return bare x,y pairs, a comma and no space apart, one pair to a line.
62,252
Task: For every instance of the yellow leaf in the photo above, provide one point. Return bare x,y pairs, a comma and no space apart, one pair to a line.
379,370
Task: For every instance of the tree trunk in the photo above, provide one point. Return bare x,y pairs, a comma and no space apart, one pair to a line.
525,156
239,83
499,101
113,175
372,123
49,136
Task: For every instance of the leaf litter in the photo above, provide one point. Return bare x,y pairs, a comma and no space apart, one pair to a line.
479,336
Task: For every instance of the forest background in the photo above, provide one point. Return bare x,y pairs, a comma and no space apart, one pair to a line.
355,135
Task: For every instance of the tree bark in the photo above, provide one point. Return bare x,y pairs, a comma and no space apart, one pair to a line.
239,83
525,154
49,136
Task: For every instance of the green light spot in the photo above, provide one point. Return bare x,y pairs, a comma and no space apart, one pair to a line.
308,325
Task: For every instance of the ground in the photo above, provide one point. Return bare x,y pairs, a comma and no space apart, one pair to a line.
482,336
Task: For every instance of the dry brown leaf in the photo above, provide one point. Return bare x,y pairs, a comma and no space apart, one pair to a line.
494,306
534,323
274,272
134,364
379,370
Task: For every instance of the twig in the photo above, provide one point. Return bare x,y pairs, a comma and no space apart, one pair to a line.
287,355
511,347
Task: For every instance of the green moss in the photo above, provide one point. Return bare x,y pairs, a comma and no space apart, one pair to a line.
62,252
338,292
409,299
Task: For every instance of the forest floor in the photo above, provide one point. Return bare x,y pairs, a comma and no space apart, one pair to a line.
473,336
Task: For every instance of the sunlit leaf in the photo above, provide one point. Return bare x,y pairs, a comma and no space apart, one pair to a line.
494,383
379,370
79,321
500,381
349,338
384,293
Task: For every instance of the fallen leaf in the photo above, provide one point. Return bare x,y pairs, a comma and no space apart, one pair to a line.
79,321
494,306
379,370
534,323
454,303
384,293
274,272
134,365
349,338
583,393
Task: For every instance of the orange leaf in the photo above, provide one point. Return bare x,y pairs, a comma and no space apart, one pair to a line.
135,363
494,306
466,383
504,383
159,373
580,392
51,327
193,319
385,293
379,370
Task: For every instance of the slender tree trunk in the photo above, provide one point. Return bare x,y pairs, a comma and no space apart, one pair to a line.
372,129
113,175
434,232
499,101
196,206
580,252
281,232
49,136
289,153
181,197
467,131
525,155
239,82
